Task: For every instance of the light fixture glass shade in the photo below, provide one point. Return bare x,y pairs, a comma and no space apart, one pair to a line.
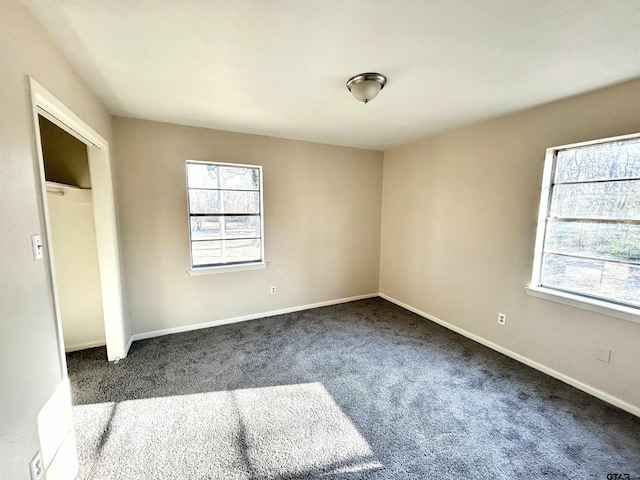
365,91
366,86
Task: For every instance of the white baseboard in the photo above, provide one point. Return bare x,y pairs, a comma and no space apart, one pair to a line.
253,316
126,349
633,409
84,346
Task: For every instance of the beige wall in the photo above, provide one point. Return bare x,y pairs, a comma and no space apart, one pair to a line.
75,251
29,360
458,232
322,223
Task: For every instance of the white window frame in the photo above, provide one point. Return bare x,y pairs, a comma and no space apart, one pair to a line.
534,289
231,267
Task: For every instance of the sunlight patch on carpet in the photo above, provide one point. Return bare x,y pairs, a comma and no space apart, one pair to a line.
270,432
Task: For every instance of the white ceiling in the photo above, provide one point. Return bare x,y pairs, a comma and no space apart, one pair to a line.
279,67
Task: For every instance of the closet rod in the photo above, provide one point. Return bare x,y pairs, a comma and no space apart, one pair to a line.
58,193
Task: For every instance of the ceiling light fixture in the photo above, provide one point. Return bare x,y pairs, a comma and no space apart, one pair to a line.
366,86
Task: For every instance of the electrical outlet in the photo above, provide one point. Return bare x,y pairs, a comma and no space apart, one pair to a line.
502,319
36,467
274,290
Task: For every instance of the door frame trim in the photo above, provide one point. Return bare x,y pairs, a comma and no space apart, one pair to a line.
104,215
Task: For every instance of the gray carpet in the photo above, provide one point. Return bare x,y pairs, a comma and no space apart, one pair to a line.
360,390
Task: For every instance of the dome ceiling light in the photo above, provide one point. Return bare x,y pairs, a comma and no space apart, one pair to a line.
366,86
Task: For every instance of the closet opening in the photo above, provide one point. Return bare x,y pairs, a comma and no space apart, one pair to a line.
73,237
80,231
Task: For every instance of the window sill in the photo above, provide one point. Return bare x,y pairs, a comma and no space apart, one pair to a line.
194,272
585,303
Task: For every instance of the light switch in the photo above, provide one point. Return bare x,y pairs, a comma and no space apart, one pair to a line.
36,243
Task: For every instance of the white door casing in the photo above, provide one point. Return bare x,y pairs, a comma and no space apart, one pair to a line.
44,103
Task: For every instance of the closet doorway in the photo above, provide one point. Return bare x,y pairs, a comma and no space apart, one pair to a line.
80,229
73,237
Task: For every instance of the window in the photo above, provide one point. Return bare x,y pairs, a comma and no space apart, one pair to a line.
588,240
225,214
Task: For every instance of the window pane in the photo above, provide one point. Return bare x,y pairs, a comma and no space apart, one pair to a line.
240,178
604,161
603,240
219,176
223,201
208,228
610,200
618,282
225,251
201,176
